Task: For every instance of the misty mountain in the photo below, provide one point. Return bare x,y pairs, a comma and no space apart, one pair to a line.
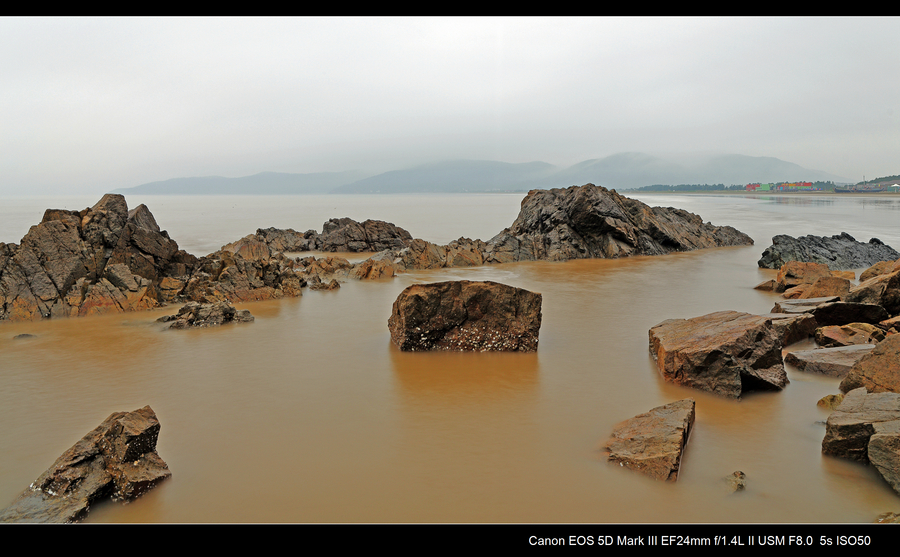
621,171
264,183
458,176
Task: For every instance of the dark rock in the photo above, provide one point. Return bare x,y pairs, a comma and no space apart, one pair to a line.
838,252
593,222
879,370
23,336
347,235
117,459
727,353
833,362
195,314
466,316
842,313
653,443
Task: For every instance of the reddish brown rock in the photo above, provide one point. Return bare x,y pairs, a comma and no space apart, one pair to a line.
878,371
118,459
727,353
466,316
851,333
653,443
827,286
882,290
833,362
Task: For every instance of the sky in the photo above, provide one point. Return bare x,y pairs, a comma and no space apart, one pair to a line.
88,105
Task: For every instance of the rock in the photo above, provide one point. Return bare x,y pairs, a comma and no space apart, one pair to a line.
830,402
884,454
888,518
347,235
882,290
880,268
860,415
792,327
195,314
807,305
827,286
833,312
118,459
466,316
653,443
588,221
736,481
838,252
851,333
727,353
834,362
768,285
796,273
878,371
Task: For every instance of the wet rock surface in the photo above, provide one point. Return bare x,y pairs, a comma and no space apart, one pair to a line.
117,459
466,316
653,443
833,362
195,314
838,252
726,353
878,371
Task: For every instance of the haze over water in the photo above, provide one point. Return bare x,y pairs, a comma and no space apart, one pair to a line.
310,414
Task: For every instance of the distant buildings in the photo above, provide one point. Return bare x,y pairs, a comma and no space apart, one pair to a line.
783,187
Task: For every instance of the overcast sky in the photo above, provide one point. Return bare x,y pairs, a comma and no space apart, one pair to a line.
92,104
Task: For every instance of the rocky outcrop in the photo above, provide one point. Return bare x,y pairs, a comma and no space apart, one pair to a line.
338,235
589,221
195,314
117,459
866,427
833,362
653,443
838,252
878,371
466,316
727,353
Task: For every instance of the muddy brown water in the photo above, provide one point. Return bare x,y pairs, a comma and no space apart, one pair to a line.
310,414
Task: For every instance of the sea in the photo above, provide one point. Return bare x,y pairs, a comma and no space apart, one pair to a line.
311,415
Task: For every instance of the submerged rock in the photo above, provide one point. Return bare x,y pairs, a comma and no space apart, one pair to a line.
117,459
653,443
195,314
466,316
838,252
727,353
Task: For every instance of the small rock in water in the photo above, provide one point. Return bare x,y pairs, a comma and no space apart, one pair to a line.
736,481
195,314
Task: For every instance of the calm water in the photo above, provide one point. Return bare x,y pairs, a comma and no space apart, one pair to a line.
310,414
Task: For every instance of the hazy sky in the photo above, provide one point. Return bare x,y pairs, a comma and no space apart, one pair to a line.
92,104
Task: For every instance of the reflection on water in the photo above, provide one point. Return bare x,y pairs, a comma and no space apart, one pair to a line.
310,414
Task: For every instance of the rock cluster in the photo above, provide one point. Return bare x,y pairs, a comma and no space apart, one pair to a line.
466,316
653,443
195,314
118,459
838,252
727,353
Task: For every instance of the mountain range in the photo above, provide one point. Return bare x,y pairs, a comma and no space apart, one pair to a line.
620,171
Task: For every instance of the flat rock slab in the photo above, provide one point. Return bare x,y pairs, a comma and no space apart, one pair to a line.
879,370
726,352
653,443
118,459
466,316
834,362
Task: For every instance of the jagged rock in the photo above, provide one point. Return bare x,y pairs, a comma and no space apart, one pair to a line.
838,252
315,283
589,221
466,316
118,459
834,362
879,370
859,416
792,327
345,234
727,353
851,333
653,443
195,314
883,290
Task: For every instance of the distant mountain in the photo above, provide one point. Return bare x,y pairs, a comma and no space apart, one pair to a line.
264,183
458,176
621,171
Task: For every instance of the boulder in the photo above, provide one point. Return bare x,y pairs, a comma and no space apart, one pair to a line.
838,252
589,221
882,290
851,333
347,235
879,370
859,416
653,443
792,327
466,316
727,353
834,362
828,312
118,459
195,314
880,268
